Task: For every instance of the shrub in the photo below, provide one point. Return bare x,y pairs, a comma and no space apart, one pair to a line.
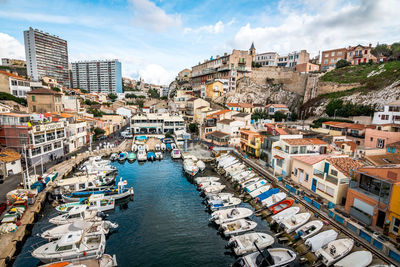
342,63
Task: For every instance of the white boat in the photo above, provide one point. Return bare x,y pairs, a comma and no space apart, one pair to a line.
251,187
237,177
278,218
295,221
229,163
237,227
213,189
134,147
272,257
90,228
318,241
140,147
190,167
272,200
205,179
225,161
229,215
173,145
361,258
70,246
218,196
244,244
104,261
245,178
114,157
95,202
80,213
85,182
335,250
159,155
141,155
259,191
146,147
224,203
310,229
201,165
207,184
176,154
163,147
158,147
233,168
249,182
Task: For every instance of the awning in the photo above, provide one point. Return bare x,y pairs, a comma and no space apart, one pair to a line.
278,157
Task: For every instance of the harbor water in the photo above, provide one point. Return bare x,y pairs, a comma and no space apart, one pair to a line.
165,225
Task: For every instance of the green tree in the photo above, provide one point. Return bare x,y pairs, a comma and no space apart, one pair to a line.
381,50
98,132
334,104
112,96
83,91
168,135
7,96
395,51
342,63
140,103
279,116
193,128
293,116
97,113
153,93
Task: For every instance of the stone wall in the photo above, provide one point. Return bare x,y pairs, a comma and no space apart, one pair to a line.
315,87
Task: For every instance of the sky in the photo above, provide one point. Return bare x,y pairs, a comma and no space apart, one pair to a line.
155,39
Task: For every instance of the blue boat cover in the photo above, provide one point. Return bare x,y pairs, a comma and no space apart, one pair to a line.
268,193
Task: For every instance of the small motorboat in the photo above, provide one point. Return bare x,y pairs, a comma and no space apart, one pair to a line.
141,155
224,203
217,197
131,157
279,217
267,194
272,257
95,202
140,147
318,241
70,246
90,228
213,189
361,258
159,155
335,250
176,154
244,244
245,178
259,191
114,157
274,199
206,179
237,227
104,261
309,229
249,182
134,147
230,215
157,147
207,184
295,221
163,147
278,207
122,156
81,213
190,167
151,156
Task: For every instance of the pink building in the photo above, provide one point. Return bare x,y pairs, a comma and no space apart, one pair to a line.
380,138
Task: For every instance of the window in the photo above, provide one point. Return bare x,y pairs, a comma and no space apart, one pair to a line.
307,176
39,138
333,54
51,136
295,150
371,139
325,61
36,151
395,225
321,186
302,149
33,98
334,172
60,133
57,144
384,117
47,148
380,143
295,172
327,55
351,53
330,191
339,53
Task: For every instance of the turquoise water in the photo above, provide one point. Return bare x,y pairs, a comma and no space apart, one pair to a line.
165,225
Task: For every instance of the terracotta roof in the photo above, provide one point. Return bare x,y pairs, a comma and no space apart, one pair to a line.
305,141
13,75
280,131
344,164
221,112
232,104
352,144
311,160
226,121
242,105
249,132
14,114
43,91
385,159
9,155
347,125
279,106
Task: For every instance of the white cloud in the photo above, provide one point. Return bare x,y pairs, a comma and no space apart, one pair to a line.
332,24
214,29
156,74
151,16
11,47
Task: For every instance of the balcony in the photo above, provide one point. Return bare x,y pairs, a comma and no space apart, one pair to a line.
358,55
326,176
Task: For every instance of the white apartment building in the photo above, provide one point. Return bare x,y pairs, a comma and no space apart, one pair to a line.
46,55
267,59
76,135
231,127
157,123
293,59
97,76
390,114
13,84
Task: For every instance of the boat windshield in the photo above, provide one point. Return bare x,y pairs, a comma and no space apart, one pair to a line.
63,248
239,263
264,259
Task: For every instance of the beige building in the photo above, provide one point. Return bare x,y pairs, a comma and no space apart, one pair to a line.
184,74
307,67
360,54
9,62
44,100
14,84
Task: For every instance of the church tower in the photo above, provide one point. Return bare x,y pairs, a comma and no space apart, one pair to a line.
252,52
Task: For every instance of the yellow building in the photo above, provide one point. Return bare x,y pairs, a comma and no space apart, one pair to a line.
394,212
250,142
214,89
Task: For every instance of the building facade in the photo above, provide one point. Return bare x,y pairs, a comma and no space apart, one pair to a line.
44,100
390,113
46,55
14,84
10,62
157,123
330,57
103,76
267,59
360,54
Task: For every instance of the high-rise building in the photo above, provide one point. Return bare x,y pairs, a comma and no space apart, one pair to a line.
46,55
97,76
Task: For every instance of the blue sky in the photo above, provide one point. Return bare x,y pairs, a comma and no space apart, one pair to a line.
155,39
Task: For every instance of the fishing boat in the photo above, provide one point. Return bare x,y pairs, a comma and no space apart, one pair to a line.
259,191
104,261
267,194
134,147
78,214
295,221
285,214
205,179
244,244
151,156
309,229
190,167
213,189
272,257
335,250
237,227
157,147
278,207
122,156
318,241
361,258
90,228
131,157
274,199
159,155
207,184
114,157
163,147
70,246
230,215
176,154
224,203
141,155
